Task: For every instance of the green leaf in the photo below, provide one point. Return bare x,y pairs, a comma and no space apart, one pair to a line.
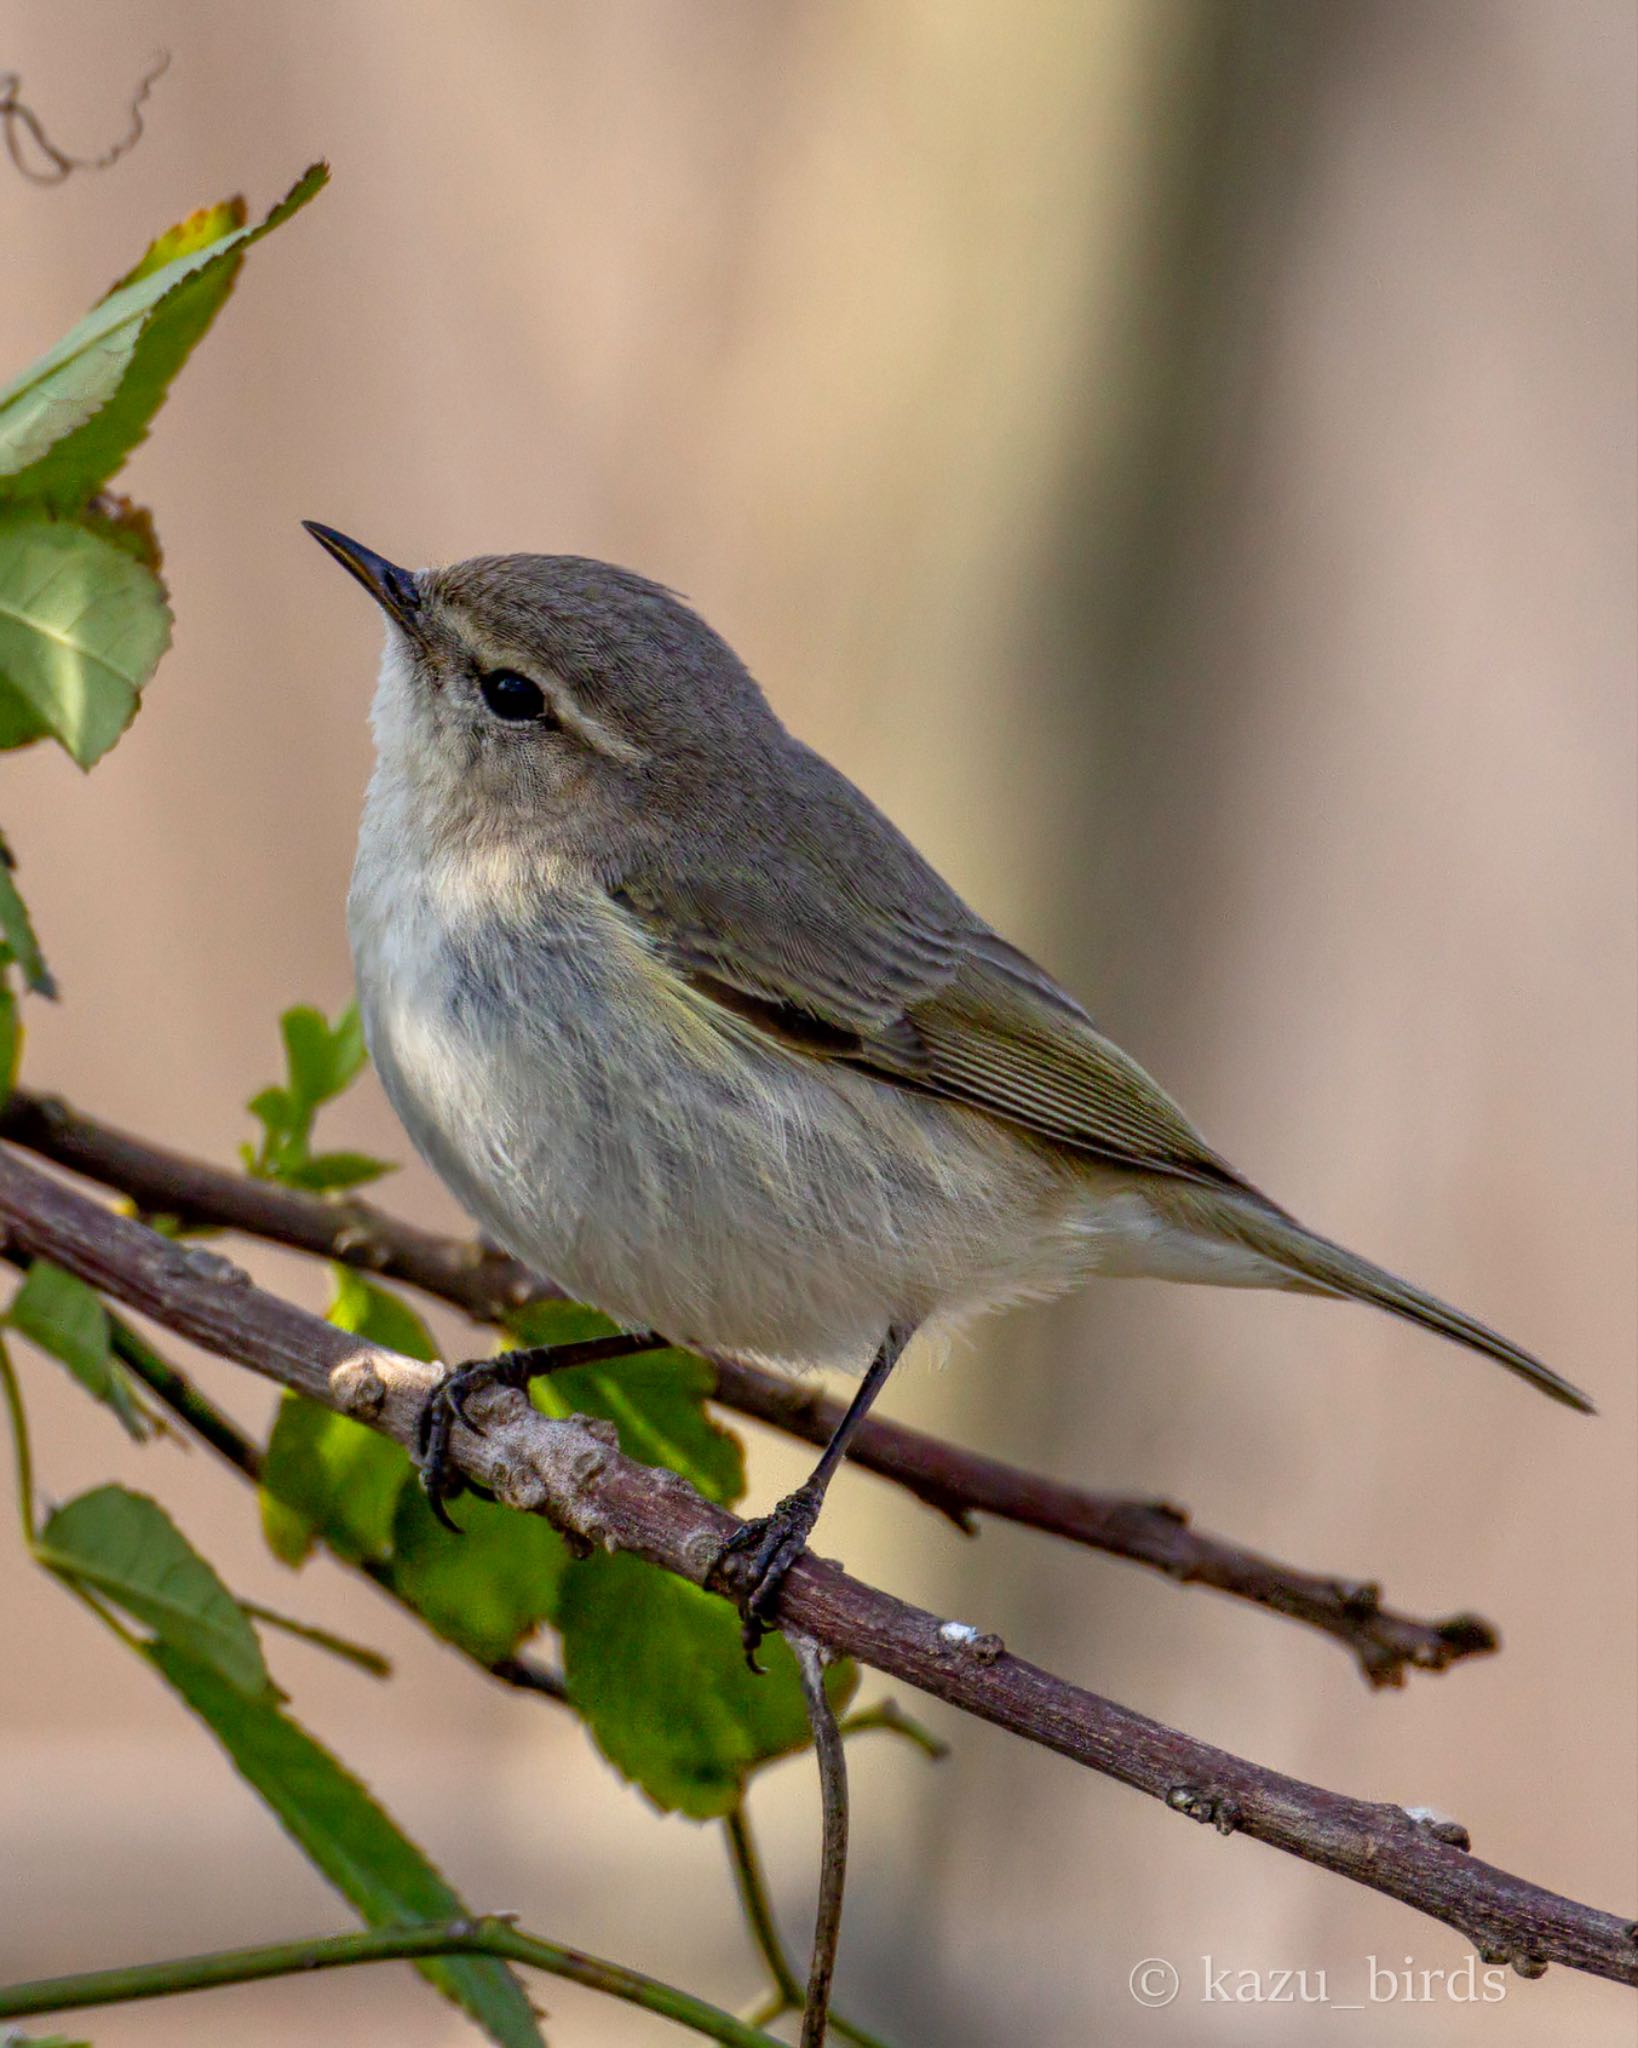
328,1478
655,1666
349,1839
306,1038
69,421
82,626
321,1060
11,1040
369,1311
19,931
282,1140
327,1171
348,1053
486,1589
66,1318
20,723
82,461
655,1400
124,1546
275,1111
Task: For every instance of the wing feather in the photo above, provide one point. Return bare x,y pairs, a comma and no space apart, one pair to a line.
1024,1051
936,1003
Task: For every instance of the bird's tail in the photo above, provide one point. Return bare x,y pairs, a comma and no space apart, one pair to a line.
1313,1264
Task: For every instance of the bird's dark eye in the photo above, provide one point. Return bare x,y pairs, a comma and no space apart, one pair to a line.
512,696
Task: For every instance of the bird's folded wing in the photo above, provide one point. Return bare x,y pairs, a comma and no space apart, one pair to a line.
940,1006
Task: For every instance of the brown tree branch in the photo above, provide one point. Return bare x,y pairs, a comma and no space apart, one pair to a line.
573,1471
1384,1642
222,1435
488,1286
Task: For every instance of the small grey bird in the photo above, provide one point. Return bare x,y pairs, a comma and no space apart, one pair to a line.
685,1023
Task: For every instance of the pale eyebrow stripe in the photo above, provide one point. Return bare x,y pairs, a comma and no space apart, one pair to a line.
565,708
592,730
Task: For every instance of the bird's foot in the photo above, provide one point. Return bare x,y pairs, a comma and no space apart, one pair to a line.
752,1565
446,1405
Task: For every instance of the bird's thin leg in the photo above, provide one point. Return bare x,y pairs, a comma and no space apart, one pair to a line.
751,1566
446,1404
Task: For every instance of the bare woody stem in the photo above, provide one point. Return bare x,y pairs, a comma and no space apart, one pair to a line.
752,1886
573,1472
484,1937
489,1286
827,1924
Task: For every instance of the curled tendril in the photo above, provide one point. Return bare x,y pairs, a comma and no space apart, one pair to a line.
17,118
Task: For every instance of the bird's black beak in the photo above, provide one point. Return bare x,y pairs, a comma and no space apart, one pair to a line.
394,589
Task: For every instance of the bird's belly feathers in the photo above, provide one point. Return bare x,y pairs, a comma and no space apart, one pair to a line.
609,1134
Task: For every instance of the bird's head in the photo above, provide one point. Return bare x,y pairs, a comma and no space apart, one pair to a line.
556,697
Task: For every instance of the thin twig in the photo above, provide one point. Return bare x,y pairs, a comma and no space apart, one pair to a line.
751,1884
832,1761
891,1719
489,1936
184,1400
360,1655
528,1674
16,114
22,1456
489,1286
573,1472
1384,1642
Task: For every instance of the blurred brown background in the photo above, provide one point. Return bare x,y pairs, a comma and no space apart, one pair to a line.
1179,458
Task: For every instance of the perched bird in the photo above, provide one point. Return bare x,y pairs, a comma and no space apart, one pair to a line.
686,1024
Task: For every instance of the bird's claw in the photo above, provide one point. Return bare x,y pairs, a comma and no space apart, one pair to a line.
446,1405
459,1389
752,1565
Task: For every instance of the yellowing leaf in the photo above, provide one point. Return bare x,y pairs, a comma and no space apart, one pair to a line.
206,224
121,357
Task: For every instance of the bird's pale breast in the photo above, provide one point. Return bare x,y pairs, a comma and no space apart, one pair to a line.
595,1121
